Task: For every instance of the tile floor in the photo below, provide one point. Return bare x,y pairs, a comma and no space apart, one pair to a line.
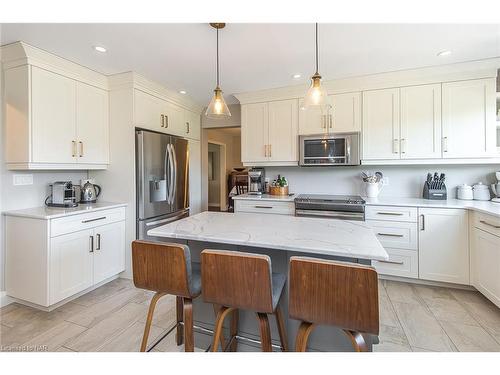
111,318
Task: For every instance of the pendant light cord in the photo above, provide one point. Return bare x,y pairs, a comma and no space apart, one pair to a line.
317,65
217,57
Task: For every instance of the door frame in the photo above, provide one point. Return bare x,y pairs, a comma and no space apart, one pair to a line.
222,174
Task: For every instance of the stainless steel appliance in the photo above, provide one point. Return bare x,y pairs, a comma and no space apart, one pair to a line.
89,192
335,149
62,194
256,181
162,180
345,207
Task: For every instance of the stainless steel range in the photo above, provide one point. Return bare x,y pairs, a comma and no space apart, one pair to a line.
345,207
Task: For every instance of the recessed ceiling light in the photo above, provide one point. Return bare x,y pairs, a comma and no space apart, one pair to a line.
444,53
183,92
298,75
100,49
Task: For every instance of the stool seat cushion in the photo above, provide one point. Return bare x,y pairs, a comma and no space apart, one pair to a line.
278,280
195,279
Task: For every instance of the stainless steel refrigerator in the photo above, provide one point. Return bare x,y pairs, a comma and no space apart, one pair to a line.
162,170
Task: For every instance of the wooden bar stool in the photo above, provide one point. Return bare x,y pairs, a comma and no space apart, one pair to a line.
165,268
234,280
326,292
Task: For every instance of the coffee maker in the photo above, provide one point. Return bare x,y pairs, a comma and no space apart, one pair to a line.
496,189
256,181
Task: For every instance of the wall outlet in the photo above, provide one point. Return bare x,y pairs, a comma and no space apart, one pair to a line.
22,179
385,181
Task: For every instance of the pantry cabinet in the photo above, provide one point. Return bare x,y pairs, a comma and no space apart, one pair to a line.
469,118
444,245
54,122
194,177
269,133
381,131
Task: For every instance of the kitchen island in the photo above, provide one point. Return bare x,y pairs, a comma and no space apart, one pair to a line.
280,237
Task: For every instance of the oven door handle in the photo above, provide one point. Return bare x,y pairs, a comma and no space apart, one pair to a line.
321,213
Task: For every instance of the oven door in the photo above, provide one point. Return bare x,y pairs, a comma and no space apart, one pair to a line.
333,149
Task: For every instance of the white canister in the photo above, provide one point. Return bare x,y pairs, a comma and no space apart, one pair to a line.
464,192
373,189
481,192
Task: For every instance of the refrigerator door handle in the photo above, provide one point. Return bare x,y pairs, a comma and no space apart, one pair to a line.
166,163
174,161
171,182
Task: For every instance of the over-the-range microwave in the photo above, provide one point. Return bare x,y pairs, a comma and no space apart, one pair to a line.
333,149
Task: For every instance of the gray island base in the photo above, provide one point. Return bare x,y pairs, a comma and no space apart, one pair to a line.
275,236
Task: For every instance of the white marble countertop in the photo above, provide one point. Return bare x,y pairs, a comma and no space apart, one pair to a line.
266,197
487,207
47,213
282,232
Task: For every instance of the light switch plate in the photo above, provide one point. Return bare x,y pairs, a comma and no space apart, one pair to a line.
22,179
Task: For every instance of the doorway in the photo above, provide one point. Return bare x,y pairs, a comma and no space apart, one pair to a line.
217,176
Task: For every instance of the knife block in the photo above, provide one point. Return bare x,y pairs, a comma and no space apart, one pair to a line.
436,193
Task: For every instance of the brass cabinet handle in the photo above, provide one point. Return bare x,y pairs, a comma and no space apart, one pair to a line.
395,146
73,153
423,222
81,148
263,207
187,125
270,150
330,121
403,145
445,144
489,224
390,235
98,247
91,244
91,220
166,121
390,213
162,120
390,262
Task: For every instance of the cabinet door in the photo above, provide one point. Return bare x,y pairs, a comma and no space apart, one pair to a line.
254,132
283,132
381,124
109,252
421,122
175,123
444,245
469,118
193,124
346,112
92,124
314,120
71,262
194,177
53,99
148,111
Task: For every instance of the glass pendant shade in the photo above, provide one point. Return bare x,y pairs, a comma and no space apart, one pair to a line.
217,107
316,96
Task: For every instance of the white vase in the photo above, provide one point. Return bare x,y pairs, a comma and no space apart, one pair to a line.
373,189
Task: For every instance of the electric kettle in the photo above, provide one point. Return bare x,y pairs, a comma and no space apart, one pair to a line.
89,192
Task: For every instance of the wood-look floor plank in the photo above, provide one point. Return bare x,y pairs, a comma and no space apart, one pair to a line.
402,292
450,310
387,315
165,312
103,292
101,333
130,339
470,338
57,336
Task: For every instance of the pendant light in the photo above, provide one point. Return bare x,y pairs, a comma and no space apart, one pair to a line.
316,96
217,109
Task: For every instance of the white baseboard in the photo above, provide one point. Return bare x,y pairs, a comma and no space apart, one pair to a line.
425,282
5,299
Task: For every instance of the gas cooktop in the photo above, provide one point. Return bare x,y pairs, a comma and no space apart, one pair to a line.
321,198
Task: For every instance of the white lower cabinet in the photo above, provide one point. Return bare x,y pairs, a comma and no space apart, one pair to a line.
63,256
264,206
402,263
444,245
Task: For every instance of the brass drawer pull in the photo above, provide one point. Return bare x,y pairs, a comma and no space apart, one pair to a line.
263,207
91,220
391,262
390,213
390,235
489,224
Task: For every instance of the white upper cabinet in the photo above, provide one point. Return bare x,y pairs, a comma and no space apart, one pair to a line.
469,118
420,122
269,133
254,132
444,245
148,111
53,99
192,123
92,124
314,121
381,124
283,123
345,112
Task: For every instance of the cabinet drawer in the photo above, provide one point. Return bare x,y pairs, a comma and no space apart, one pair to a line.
403,263
391,213
265,207
88,220
488,223
401,235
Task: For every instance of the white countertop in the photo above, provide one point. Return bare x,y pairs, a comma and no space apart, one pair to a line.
487,207
265,197
283,232
47,213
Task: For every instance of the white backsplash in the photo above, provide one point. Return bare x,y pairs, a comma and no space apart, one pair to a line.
404,181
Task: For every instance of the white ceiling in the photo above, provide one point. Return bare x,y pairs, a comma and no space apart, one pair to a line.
256,56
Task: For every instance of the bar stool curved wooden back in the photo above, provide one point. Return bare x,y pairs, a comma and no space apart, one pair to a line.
165,268
323,292
235,280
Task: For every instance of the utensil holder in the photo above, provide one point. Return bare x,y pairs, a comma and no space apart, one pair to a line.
278,190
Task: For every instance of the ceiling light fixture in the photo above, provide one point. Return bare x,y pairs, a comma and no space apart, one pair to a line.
316,96
100,49
296,76
183,92
444,53
217,108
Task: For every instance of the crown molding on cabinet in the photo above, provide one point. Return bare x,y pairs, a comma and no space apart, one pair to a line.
464,161
444,73
20,53
130,80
